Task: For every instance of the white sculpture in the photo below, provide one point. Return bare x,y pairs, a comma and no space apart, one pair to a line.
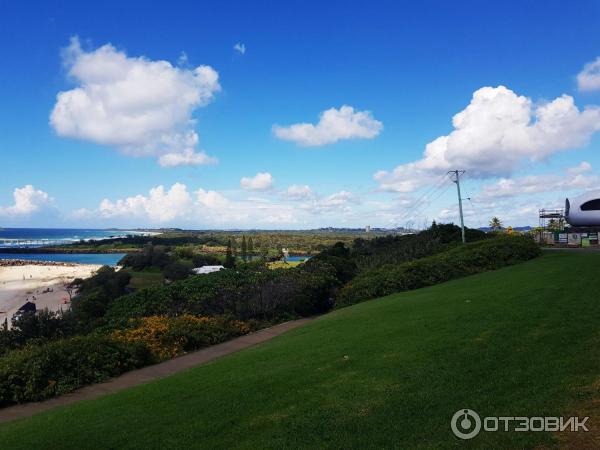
583,211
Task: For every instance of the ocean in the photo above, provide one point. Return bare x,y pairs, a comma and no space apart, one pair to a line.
38,237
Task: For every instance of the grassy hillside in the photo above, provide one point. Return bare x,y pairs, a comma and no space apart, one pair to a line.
389,373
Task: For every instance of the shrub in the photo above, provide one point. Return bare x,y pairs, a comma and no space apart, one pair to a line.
167,337
344,268
176,271
150,256
460,261
42,325
36,372
204,259
243,294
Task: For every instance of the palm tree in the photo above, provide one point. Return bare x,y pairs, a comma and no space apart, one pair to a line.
495,224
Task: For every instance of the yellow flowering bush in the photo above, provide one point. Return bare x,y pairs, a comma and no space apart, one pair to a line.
167,337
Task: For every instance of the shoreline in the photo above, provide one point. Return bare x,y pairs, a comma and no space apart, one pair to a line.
41,282
32,262
65,251
20,245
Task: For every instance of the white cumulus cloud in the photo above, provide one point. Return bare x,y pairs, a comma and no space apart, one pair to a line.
494,135
334,125
186,158
211,199
262,181
589,77
298,191
27,200
573,179
338,202
176,206
583,167
140,106
159,205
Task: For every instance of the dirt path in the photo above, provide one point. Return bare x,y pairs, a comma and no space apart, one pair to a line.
150,373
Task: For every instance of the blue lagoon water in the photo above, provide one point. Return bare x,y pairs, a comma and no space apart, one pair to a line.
38,237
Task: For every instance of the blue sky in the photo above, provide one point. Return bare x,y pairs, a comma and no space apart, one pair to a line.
404,69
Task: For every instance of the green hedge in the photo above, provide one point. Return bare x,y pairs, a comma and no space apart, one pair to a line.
243,294
53,368
458,262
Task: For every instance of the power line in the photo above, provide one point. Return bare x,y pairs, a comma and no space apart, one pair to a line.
430,201
457,174
421,201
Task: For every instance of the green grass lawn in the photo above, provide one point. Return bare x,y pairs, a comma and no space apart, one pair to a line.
284,265
389,373
140,279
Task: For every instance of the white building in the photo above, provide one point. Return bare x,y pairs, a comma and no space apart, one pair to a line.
206,269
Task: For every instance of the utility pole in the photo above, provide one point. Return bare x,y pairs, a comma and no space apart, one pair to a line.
456,179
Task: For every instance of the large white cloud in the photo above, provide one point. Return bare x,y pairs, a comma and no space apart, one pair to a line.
262,181
179,206
589,77
334,125
159,206
140,106
494,135
575,178
27,200
338,202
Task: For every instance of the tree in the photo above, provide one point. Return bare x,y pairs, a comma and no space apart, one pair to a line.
244,249
176,271
201,259
495,224
229,258
250,247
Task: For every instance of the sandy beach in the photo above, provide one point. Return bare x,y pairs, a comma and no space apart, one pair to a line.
44,281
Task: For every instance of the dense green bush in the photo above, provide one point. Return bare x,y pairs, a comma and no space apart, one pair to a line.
41,371
41,326
460,261
95,294
244,294
344,268
177,271
167,337
150,256
204,259
372,253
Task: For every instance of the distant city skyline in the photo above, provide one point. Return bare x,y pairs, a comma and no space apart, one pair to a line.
298,115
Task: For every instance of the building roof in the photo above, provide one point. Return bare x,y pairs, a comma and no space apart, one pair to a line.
206,269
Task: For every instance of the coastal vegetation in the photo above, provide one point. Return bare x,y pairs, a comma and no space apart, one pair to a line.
259,243
155,303
388,373
455,263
